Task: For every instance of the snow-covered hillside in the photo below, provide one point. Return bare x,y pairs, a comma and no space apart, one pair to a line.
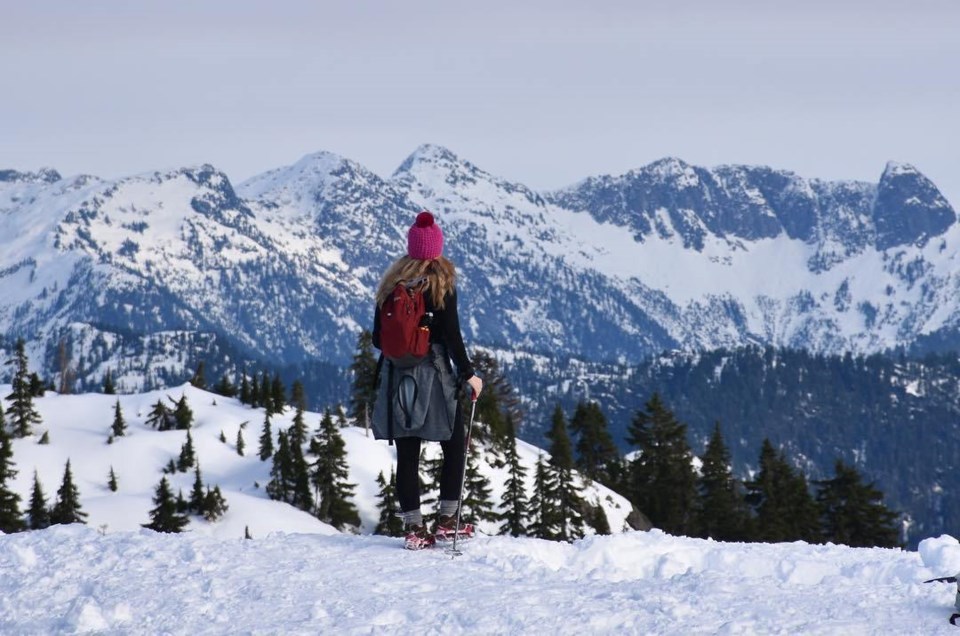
78,427
72,580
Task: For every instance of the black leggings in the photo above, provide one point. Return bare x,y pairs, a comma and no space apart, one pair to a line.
451,473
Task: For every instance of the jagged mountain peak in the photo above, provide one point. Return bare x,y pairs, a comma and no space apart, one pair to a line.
43,175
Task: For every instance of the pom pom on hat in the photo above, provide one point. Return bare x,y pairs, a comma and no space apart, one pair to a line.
424,238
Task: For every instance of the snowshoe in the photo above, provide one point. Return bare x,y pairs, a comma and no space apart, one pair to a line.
446,528
418,538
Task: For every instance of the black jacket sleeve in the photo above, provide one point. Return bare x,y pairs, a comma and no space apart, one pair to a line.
449,330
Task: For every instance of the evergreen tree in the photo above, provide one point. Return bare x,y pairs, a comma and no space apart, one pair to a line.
119,427
182,413
300,486
170,468
23,415
298,432
188,456
108,386
595,448
225,388
215,505
853,513
198,497
390,523
477,504
278,394
199,379
241,445
329,476
38,512
112,481
67,509
182,506
498,401
598,520
720,511
164,517
514,504
280,486
663,479
364,371
37,387
784,508
245,396
569,502
160,417
255,391
266,440
10,519
45,438
543,504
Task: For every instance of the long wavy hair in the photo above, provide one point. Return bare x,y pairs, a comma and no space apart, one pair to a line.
438,274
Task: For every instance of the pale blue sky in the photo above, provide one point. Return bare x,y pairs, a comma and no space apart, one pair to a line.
545,93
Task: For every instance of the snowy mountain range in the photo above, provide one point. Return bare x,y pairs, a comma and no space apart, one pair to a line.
282,267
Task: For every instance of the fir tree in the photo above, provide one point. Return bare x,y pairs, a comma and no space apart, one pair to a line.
199,379
266,440
67,509
784,508
197,495
225,388
38,512
720,512
10,520
543,504
23,415
182,414
853,513
164,516
255,391
112,481
477,504
569,502
278,394
595,448
280,486
37,387
241,445
663,479
188,455
514,504
390,523
223,437
170,468
300,485
497,402
160,417
245,397
45,438
119,427
298,431
215,505
364,371
329,476
183,507
598,520
108,386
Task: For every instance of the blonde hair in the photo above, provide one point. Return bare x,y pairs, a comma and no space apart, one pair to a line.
439,276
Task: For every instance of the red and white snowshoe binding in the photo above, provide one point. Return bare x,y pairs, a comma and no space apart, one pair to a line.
418,538
446,528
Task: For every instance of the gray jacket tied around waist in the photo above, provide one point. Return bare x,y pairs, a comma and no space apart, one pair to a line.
421,400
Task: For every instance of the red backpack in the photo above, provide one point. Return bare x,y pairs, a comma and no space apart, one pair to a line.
404,326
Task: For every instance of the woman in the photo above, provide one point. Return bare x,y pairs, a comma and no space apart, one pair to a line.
419,402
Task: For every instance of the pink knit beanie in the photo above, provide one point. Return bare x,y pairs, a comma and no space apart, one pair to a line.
424,238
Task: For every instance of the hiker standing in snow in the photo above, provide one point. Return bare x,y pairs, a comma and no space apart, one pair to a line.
417,388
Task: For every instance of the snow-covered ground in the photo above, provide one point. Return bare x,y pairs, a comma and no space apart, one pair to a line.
72,579
298,575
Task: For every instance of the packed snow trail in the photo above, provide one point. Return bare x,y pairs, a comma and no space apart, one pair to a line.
76,580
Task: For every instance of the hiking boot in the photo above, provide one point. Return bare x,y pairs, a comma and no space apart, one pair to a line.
445,527
417,537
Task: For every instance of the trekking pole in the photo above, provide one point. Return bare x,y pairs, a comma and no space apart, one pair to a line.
466,457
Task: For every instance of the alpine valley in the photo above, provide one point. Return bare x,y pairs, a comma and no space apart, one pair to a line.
787,307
